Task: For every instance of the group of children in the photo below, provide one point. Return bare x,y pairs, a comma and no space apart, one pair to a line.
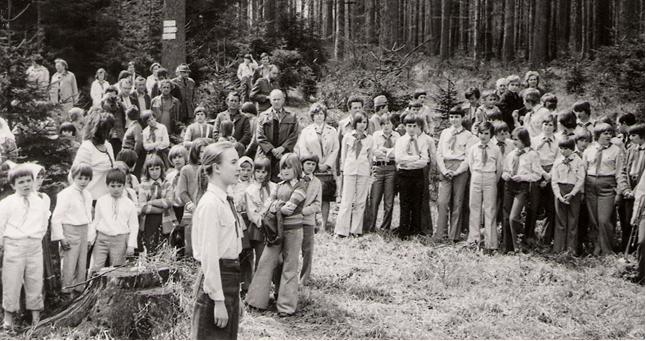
509,155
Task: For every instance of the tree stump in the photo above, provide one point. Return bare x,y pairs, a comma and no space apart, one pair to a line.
126,300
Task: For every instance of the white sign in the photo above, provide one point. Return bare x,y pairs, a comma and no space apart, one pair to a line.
170,23
168,36
168,29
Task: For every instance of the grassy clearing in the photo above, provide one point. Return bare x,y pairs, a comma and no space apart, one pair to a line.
377,287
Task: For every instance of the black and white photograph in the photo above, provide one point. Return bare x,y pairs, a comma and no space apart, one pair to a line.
322,169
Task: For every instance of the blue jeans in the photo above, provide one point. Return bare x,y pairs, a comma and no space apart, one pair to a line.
383,186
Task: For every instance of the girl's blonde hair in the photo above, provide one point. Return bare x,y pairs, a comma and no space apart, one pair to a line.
291,160
212,156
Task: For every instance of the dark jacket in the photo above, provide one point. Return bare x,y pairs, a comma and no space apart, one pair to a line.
184,90
509,102
287,132
135,102
260,93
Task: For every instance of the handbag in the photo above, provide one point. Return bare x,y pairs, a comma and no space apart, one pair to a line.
272,226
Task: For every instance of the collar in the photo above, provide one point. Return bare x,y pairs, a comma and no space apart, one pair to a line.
217,191
457,131
536,107
582,124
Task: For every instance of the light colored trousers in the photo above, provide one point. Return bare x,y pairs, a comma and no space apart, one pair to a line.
75,259
483,193
308,253
109,247
600,201
450,191
353,205
22,263
290,248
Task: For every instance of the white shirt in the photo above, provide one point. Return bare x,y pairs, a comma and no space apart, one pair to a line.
73,207
379,139
100,162
115,216
216,235
407,157
323,143
19,220
96,92
547,151
350,163
246,70
494,158
161,140
453,145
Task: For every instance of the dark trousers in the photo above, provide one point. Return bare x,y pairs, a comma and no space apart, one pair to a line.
514,201
151,235
625,210
203,326
116,145
411,192
566,224
383,186
600,201
426,224
541,199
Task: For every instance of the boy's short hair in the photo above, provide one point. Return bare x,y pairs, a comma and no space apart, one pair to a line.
249,108
115,175
488,93
550,101
494,116
354,98
627,119
262,163
501,81
18,172
550,119
567,143
153,160
457,110
81,169
178,150
419,92
602,128
500,126
67,126
226,128
567,119
584,135
132,113
523,136
412,118
472,91
76,113
162,72
636,129
128,156
532,96
513,78
485,126
309,157
604,119
122,166
112,89
146,115
358,117
582,106
390,117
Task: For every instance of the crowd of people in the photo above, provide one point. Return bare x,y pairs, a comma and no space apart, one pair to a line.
245,190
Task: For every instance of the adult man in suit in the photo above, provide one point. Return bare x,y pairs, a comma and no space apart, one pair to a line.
277,131
184,90
263,87
140,97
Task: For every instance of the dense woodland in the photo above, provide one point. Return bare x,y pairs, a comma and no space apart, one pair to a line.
532,30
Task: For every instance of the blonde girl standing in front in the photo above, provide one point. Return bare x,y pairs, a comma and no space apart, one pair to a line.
217,242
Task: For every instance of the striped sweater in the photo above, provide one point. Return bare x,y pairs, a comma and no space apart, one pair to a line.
292,194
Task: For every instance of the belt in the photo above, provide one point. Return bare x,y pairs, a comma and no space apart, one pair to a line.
383,163
600,176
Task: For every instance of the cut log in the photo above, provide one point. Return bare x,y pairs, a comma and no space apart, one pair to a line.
125,300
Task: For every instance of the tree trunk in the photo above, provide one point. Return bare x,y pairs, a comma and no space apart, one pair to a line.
126,300
507,52
339,32
428,26
575,31
463,26
563,27
370,29
389,23
477,36
436,22
627,19
327,19
444,40
538,55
